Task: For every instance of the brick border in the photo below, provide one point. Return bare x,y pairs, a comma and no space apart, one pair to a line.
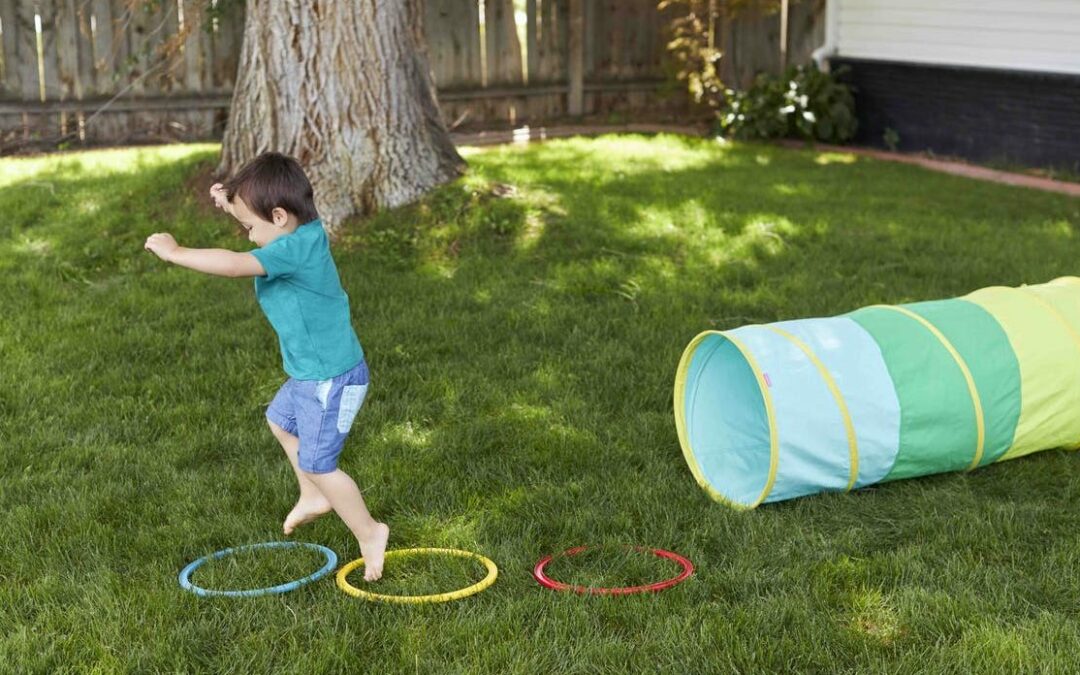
953,168
526,135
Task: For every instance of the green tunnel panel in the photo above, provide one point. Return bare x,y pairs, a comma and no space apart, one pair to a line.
937,417
985,350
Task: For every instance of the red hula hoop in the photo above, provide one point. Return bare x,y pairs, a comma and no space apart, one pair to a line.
547,582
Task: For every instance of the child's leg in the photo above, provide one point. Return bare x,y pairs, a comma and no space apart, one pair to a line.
345,497
312,503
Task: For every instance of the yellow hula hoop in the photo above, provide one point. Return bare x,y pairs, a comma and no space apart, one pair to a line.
493,573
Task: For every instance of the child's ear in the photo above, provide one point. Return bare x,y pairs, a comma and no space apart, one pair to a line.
280,216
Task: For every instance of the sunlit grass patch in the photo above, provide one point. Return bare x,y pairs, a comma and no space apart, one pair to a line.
522,326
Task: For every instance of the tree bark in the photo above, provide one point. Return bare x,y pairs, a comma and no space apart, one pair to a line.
345,88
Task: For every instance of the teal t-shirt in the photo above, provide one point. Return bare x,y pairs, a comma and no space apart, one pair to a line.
302,297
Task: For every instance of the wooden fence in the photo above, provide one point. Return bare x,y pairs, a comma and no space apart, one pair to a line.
116,71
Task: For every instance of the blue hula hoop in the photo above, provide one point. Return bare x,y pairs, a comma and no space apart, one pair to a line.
185,574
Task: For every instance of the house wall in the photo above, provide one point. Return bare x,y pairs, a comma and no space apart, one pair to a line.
1034,35
988,80
985,115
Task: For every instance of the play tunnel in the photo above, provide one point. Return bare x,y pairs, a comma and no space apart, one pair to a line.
771,412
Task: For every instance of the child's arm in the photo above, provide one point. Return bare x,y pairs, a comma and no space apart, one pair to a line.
215,261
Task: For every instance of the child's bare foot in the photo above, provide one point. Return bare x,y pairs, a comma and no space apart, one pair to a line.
305,511
372,551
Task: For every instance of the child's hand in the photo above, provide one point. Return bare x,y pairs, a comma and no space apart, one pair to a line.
217,195
161,244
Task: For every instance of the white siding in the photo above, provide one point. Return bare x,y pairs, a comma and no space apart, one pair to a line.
1041,35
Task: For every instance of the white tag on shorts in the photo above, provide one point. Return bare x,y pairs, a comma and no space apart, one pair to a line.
322,392
352,397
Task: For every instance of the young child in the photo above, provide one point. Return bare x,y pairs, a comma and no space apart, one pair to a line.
298,288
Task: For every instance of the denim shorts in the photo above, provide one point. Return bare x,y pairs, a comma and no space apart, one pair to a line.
320,413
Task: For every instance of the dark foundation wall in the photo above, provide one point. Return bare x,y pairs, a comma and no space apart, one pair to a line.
984,115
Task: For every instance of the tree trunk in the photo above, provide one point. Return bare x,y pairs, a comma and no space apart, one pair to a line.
345,88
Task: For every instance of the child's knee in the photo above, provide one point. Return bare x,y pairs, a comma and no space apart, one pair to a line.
314,475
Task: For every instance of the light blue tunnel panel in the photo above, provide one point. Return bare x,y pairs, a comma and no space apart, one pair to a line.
726,422
854,361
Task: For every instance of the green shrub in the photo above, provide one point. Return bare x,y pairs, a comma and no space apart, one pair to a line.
803,103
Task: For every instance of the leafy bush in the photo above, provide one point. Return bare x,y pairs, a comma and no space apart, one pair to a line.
804,103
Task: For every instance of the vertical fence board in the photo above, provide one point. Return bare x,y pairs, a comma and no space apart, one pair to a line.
102,45
27,66
502,62
11,84
85,52
596,28
141,57
11,126
166,60
631,21
542,21
452,30
562,42
112,69
67,63
191,69
196,123
553,42
588,37
617,28
196,46
724,36
108,47
172,76
227,42
440,43
67,49
622,41
531,46
661,38
649,30
806,30
144,67
49,67
121,46
503,46
576,58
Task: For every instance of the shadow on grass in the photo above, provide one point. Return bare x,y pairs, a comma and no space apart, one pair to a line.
523,327
566,324
522,324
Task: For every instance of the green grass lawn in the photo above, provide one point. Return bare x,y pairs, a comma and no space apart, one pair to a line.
523,352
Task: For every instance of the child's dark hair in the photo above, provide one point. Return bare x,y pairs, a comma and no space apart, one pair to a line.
274,180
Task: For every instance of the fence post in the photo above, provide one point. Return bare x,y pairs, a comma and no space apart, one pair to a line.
783,34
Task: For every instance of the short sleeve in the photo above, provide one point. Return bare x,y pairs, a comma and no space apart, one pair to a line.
279,258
